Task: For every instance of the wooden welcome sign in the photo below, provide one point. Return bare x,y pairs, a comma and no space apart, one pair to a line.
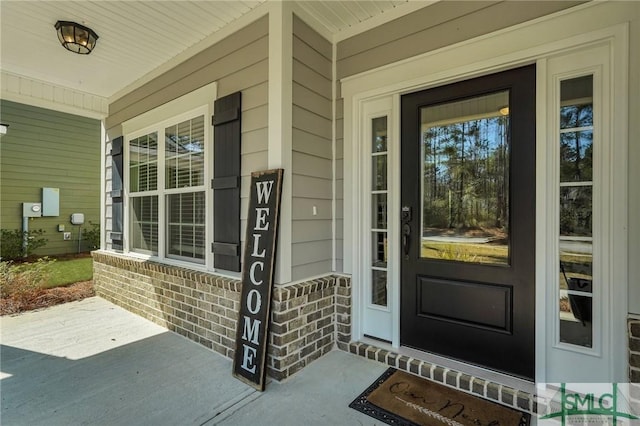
257,277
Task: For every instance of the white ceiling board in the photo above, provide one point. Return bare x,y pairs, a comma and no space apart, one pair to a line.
138,37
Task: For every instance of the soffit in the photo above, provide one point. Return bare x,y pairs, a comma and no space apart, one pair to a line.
137,37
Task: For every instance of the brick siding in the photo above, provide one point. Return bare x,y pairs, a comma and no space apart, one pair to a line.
634,350
307,319
477,386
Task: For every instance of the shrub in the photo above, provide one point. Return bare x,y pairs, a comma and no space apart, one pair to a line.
23,280
92,236
11,241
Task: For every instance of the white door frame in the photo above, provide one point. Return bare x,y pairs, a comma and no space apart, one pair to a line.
530,42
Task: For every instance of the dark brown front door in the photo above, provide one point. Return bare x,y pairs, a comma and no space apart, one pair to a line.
468,221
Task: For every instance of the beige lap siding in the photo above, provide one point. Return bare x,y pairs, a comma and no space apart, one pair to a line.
307,318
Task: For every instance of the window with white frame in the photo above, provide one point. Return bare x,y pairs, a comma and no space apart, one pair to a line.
166,189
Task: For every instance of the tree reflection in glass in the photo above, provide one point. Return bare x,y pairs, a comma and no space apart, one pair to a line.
465,188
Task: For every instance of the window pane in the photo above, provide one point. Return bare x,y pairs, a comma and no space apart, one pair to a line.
379,287
143,163
576,156
379,255
184,154
186,225
578,115
575,211
144,224
465,187
379,134
379,213
576,97
576,320
379,172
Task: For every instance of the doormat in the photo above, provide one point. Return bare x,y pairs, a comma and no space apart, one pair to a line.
403,399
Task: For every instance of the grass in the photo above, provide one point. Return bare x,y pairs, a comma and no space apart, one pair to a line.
64,272
44,282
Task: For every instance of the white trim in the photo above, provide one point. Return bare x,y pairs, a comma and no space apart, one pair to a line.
43,94
542,218
374,316
334,133
280,123
609,200
533,41
537,38
205,95
394,219
103,185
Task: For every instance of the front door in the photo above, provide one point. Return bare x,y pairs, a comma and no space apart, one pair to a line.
468,221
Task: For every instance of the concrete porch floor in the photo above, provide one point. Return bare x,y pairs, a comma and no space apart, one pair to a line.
94,363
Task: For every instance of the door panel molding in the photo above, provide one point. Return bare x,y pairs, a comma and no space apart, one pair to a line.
442,300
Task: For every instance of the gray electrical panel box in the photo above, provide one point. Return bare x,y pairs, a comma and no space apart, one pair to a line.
31,209
50,201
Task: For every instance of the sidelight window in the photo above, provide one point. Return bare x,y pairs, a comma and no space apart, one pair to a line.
576,118
379,194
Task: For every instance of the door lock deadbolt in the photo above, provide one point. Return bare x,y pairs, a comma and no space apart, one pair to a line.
406,213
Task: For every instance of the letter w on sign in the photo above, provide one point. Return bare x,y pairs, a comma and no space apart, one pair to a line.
252,330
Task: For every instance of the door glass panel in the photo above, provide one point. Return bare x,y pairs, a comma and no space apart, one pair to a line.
379,172
465,185
576,211
576,156
379,287
379,254
379,211
379,131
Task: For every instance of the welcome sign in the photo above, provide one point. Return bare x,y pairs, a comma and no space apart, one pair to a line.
257,277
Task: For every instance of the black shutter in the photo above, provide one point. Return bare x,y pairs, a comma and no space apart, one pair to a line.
226,182
117,191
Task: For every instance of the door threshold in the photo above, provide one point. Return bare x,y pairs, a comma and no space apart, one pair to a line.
497,387
470,369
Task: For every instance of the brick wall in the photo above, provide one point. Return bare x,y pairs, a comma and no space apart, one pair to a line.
634,350
307,319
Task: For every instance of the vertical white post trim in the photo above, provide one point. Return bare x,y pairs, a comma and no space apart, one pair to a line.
103,186
280,123
619,208
393,227
352,176
334,93
542,223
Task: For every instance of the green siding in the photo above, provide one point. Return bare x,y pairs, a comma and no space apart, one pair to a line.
45,148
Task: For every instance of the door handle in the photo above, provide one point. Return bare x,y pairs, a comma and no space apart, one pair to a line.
406,240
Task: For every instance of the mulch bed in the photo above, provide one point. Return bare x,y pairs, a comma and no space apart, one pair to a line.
43,298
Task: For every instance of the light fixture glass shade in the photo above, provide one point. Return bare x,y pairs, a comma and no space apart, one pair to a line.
75,37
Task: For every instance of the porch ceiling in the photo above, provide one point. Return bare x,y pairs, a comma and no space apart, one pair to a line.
137,37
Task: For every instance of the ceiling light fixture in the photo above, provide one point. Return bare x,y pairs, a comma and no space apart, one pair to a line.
75,37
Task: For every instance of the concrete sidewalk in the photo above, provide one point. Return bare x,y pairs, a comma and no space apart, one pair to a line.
94,363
